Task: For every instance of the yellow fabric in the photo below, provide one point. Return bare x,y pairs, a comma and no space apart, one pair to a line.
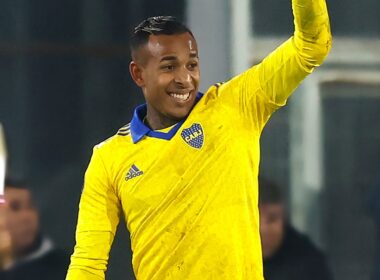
192,213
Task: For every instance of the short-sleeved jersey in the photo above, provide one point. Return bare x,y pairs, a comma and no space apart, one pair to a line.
189,194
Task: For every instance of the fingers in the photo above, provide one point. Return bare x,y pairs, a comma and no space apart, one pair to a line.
5,239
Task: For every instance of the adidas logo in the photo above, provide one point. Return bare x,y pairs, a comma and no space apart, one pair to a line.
133,172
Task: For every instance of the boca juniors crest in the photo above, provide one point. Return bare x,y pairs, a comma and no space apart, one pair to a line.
193,135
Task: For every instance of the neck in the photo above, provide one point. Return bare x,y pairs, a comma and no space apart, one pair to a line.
156,123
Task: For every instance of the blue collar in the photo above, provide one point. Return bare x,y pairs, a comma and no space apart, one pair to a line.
139,129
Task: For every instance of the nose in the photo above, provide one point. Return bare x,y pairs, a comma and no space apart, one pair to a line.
183,77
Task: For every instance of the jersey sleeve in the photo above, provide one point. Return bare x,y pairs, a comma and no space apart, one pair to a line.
99,211
260,90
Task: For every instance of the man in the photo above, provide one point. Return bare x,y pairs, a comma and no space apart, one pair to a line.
26,254
288,254
182,171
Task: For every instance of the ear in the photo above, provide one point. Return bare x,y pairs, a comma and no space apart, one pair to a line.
136,73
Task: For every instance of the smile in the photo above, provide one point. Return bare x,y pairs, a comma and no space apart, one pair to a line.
180,96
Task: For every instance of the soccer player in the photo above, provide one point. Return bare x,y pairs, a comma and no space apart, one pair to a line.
184,171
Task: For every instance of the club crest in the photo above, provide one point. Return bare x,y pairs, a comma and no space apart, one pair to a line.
193,136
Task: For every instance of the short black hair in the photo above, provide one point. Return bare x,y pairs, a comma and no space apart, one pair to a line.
15,182
158,25
269,191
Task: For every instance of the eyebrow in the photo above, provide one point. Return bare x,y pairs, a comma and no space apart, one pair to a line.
170,57
173,58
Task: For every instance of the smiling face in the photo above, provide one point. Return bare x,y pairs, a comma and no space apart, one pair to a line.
167,70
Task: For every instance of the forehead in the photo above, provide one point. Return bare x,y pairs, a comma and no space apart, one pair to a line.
271,208
17,194
178,45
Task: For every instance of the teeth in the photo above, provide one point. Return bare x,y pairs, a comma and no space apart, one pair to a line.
182,97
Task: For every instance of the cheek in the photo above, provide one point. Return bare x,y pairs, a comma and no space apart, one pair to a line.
12,222
155,87
155,78
271,231
277,231
196,76
37,227
164,80
34,221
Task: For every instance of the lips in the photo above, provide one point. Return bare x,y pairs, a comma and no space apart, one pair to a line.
180,96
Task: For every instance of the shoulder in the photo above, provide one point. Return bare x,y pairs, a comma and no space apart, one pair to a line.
121,138
301,245
52,265
124,130
300,258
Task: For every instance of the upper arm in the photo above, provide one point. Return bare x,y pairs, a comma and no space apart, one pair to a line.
258,92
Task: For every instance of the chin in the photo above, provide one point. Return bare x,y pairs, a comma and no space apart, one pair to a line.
268,255
178,113
178,116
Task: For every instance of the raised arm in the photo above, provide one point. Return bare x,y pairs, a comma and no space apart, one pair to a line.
98,218
312,35
282,71
260,90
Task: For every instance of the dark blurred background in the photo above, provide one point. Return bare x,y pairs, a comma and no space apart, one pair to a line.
65,86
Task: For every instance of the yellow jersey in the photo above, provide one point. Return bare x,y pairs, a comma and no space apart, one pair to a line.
188,194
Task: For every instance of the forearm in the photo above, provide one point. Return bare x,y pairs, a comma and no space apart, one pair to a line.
312,36
90,255
82,274
98,218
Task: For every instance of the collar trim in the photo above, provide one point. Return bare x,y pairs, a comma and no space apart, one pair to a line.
138,129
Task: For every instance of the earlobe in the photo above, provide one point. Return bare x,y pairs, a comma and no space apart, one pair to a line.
136,73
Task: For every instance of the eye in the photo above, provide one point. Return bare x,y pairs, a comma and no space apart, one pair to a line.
15,206
168,67
193,65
